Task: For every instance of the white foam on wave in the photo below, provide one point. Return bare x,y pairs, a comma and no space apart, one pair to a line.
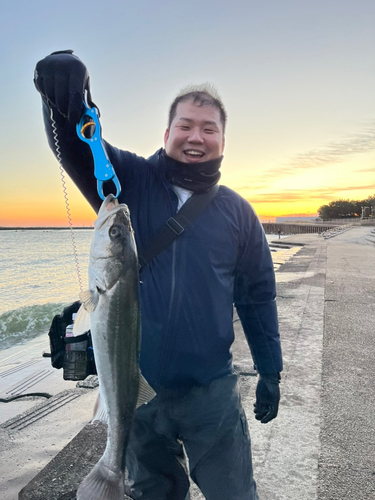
19,325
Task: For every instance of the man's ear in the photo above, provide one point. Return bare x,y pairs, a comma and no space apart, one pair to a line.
166,135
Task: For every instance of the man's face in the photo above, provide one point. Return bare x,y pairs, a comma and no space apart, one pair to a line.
196,134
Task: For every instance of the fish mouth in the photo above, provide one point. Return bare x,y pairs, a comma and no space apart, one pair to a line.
109,207
110,202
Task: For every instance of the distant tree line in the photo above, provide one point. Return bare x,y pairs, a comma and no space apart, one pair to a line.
342,209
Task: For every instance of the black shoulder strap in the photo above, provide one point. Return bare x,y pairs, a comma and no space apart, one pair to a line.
176,225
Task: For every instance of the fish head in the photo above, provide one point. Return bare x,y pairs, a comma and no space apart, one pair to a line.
113,246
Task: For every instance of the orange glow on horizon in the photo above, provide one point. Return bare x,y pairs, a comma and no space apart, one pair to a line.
43,207
47,214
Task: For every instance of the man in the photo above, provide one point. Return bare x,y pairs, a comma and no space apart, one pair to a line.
187,293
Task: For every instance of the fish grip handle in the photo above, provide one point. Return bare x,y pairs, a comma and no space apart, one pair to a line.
89,131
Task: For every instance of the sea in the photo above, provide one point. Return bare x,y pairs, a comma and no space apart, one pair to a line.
41,272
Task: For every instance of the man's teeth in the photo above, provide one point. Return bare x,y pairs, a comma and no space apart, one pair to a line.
196,153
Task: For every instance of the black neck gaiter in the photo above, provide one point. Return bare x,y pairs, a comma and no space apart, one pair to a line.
197,177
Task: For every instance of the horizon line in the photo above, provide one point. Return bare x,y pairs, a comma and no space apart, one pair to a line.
4,228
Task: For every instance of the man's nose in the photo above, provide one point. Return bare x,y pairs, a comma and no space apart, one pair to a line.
196,136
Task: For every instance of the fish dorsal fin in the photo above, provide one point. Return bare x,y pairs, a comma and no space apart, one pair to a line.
146,392
90,299
82,322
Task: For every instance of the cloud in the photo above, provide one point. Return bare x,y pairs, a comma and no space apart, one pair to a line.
292,195
337,151
288,197
334,152
254,186
364,170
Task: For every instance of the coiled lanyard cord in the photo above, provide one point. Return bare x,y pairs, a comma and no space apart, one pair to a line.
65,193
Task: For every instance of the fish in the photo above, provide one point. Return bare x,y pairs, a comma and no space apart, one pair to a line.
111,310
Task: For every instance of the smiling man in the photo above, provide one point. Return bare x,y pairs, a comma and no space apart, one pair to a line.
187,292
195,131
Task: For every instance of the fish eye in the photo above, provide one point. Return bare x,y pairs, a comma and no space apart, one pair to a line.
115,232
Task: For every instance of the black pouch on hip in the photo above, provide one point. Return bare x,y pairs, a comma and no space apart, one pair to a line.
74,354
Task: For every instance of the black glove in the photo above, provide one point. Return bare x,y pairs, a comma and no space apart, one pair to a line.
267,397
62,79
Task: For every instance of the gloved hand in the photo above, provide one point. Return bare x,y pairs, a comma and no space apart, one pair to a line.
62,79
267,397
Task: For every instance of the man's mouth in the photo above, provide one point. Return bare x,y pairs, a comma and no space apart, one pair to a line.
193,154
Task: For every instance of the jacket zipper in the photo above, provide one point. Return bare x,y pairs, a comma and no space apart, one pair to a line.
167,344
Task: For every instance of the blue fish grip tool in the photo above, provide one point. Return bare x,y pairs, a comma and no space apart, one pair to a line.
89,131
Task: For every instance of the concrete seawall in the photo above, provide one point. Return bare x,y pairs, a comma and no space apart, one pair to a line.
273,228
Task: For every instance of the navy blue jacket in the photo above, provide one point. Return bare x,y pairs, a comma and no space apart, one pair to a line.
188,289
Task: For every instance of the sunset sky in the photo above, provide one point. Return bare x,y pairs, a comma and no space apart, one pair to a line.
297,78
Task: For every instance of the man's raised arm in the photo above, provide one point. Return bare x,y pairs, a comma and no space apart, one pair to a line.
63,82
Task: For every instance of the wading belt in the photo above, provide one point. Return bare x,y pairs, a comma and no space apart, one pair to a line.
176,225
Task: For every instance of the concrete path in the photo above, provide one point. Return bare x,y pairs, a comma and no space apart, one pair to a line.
347,458
33,430
321,444
286,450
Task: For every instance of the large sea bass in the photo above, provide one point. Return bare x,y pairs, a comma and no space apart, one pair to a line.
113,304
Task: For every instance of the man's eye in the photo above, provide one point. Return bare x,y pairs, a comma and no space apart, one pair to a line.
209,131
184,127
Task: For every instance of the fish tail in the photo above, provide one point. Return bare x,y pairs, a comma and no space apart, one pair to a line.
102,483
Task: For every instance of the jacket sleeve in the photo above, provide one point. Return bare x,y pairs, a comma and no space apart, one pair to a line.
255,296
76,157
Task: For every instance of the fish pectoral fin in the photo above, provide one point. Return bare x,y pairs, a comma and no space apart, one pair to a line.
146,392
90,299
82,322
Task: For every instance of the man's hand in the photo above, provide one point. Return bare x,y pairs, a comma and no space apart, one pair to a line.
62,79
267,397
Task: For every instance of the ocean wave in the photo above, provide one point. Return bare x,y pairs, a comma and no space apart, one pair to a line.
25,323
